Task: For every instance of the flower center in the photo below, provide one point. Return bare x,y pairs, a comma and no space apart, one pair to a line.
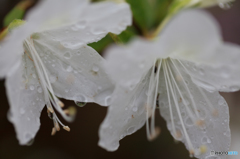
177,94
49,97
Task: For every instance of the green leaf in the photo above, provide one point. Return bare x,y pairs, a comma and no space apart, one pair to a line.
18,11
127,34
142,13
161,9
15,13
124,37
102,44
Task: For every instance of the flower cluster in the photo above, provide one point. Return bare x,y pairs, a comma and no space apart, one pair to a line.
178,72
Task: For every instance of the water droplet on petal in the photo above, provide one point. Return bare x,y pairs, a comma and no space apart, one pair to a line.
69,69
22,111
78,52
53,78
98,31
95,68
108,100
130,130
220,101
31,87
80,104
67,55
34,76
189,121
39,89
135,109
81,24
30,142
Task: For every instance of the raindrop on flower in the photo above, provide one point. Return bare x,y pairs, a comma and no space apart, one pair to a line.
95,68
130,130
39,89
67,55
80,104
31,87
30,142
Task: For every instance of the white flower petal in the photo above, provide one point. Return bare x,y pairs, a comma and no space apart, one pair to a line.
219,71
40,17
25,100
75,74
126,65
210,3
126,115
48,17
11,48
205,114
93,23
192,33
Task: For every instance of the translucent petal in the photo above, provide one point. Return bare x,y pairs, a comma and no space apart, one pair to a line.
25,99
219,71
191,34
123,118
40,17
126,65
11,48
205,114
48,17
75,74
93,23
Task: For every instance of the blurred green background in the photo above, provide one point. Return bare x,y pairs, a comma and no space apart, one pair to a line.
82,141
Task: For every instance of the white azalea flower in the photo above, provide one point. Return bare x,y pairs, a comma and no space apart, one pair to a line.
209,3
180,73
48,58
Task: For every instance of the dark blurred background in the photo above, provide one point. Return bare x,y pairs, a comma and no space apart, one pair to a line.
82,141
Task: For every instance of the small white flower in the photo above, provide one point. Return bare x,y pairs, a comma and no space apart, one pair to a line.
180,73
48,58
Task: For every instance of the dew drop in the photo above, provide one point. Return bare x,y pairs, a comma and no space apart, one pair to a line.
39,89
99,88
80,104
95,68
98,31
189,121
67,55
69,69
31,87
220,101
130,130
108,100
78,52
234,88
81,98
205,140
53,78
81,24
135,109
30,142
34,76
